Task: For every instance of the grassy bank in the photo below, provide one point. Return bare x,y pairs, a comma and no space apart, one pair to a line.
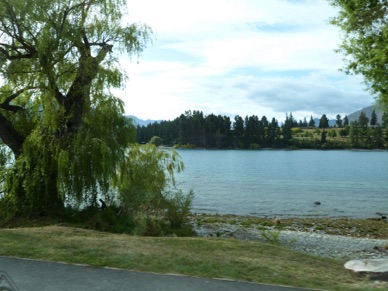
214,258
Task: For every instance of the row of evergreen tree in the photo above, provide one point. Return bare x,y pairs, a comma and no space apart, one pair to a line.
194,129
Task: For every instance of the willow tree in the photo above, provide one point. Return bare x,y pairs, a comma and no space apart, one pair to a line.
63,132
364,25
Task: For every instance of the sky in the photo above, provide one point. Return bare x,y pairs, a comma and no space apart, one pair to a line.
239,57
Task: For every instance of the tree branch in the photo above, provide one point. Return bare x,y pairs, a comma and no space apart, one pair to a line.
17,32
19,55
14,108
12,138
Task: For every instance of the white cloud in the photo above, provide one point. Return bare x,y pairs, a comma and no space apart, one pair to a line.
239,57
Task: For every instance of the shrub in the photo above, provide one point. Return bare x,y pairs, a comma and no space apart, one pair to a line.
111,221
153,227
188,146
156,140
332,133
344,132
270,236
296,130
178,207
254,146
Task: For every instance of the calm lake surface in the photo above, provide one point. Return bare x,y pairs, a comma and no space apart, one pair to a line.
286,183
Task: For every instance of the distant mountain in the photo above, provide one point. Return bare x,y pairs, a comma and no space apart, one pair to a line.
355,115
368,112
141,122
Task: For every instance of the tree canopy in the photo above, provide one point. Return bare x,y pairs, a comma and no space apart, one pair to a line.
63,132
364,25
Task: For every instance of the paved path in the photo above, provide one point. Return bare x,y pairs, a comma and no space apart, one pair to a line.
31,275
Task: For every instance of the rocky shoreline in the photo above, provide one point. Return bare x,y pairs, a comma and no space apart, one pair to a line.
302,237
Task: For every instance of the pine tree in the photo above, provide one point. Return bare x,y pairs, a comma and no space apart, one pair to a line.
324,122
304,124
287,128
363,120
338,121
373,119
346,121
311,122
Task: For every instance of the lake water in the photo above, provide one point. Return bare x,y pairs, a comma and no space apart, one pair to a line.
286,183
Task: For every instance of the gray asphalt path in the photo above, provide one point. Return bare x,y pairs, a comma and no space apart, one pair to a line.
31,275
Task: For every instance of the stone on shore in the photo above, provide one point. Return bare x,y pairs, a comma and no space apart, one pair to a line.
373,268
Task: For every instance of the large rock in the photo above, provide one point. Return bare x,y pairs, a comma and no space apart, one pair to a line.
374,268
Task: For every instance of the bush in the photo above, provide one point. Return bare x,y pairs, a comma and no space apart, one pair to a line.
151,227
344,132
188,146
111,221
332,133
296,131
178,207
270,236
254,146
156,140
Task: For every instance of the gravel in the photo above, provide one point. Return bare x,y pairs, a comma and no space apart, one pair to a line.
334,246
314,242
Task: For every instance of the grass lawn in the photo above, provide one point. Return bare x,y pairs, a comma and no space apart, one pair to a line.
202,257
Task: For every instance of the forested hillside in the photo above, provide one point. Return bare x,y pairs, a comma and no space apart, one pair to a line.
193,129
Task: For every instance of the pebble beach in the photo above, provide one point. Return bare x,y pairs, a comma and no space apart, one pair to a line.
310,241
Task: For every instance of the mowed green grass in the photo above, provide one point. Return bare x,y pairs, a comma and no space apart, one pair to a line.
202,257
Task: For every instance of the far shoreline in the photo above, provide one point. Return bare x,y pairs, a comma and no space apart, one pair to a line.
272,149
